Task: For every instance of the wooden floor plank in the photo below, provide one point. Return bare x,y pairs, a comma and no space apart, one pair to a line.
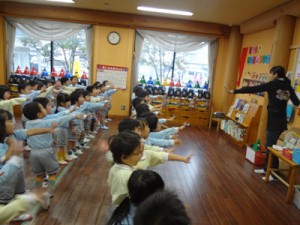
218,186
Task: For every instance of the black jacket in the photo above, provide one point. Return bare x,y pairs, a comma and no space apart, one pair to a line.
279,92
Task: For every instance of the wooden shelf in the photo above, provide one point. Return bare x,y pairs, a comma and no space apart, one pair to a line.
250,124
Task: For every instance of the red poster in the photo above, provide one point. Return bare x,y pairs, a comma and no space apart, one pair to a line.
241,66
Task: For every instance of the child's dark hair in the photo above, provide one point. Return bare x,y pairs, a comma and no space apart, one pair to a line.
31,110
32,83
136,89
22,86
142,93
61,98
151,119
85,93
162,208
143,123
40,85
104,82
63,80
279,70
142,109
90,88
141,185
124,144
3,89
75,95
4,115
136,101
48,81
73,77
128,124
42,100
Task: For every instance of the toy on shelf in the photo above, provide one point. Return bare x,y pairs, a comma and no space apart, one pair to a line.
68,74
44,73
150,81
197,85
171,84
54,73
165,83
18,70
189,84
26,71
157,82
84,76
143,81
33,72
178,84
62,73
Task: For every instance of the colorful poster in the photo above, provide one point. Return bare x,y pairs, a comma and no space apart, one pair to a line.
115,74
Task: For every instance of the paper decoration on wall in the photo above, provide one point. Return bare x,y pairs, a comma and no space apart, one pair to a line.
115,74
18,70
265,59
241,65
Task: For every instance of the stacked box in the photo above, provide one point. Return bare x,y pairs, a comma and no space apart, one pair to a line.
296,155
258,158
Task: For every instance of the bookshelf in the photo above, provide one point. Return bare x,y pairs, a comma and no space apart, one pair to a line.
241,123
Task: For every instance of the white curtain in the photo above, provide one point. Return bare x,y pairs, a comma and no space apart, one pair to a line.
89,45
175,42
47,30
212,52
10,44
139,40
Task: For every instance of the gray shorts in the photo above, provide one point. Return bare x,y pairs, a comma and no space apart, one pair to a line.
14,184
60,137
44,160
74,137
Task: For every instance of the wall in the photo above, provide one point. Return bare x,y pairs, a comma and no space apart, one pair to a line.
218,80
265,40
115,55
2,51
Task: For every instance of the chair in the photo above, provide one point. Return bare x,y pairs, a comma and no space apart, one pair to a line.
215,117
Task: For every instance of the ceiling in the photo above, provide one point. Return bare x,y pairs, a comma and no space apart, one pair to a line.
229,12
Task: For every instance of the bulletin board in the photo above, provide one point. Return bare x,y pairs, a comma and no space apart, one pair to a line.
115,74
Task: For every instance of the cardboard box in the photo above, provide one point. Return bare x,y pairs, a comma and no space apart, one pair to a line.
257,158
297,197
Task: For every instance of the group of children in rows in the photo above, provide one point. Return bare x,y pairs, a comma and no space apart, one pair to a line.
136,191
59,120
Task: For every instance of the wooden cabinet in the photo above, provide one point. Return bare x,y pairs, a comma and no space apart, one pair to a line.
194,111
242,126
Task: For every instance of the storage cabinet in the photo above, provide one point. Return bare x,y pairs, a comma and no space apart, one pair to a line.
241,125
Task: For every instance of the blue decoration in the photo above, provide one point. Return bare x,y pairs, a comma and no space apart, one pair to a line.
45,73
189,84
150,81
68,74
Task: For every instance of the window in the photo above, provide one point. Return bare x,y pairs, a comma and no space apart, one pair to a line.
69,54
157,63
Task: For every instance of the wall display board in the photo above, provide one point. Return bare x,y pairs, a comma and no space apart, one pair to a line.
297,74
115,74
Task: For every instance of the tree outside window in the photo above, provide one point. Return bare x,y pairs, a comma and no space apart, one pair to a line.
188,66
69,54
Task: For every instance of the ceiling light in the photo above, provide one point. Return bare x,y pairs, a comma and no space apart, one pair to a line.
169,11
62,1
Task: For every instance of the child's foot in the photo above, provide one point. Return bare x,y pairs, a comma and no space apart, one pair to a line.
62,162
27,148
23,217
103,127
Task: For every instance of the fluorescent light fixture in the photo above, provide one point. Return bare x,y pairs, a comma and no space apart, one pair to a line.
62,1
168,11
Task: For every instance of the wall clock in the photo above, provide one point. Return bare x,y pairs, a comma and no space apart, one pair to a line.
114,38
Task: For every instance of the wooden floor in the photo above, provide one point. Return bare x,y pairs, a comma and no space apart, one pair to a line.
218,186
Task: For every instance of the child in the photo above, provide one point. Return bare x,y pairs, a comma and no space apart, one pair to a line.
59,135
128,154
63,102
141,185
162,208
22,203
16,184
6,102
42,157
